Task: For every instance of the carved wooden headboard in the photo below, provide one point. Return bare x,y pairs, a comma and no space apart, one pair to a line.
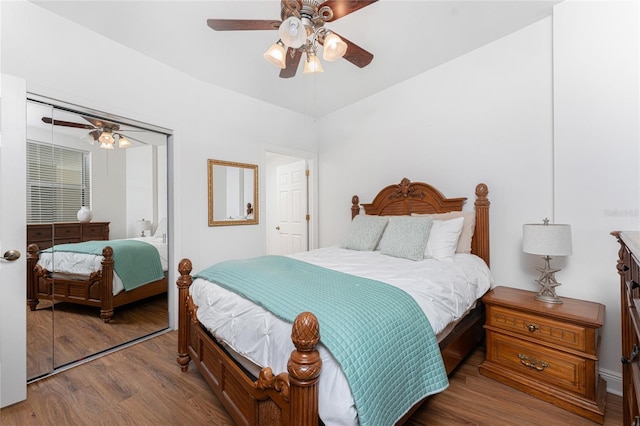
409,197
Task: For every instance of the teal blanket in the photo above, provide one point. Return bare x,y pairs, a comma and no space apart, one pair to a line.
377,332
136,263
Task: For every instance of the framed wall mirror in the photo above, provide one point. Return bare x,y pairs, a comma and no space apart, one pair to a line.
233,193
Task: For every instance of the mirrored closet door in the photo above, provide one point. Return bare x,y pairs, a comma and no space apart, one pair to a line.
97,235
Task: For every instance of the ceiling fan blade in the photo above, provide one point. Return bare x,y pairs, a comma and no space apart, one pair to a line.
102,124
354,54
96,134
242,24
49,120
293,60
342,8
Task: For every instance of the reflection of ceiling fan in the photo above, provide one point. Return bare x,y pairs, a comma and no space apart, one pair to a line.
301,30
105,132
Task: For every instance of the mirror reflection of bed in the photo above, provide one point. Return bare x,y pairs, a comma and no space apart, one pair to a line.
69,318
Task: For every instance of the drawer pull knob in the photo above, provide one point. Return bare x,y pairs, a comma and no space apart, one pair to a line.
634,284
625,268
634,355
532,362
532,328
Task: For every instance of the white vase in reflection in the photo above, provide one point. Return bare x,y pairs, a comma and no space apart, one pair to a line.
84,214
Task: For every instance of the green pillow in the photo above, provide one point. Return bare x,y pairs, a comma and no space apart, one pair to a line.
406,237
364,232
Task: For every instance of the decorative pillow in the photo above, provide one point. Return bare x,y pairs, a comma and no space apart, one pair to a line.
406,237
443,238
468,227
365,232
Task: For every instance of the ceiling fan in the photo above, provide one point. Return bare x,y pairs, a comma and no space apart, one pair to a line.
301,29
105,132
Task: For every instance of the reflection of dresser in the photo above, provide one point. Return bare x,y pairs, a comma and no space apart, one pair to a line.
629,270
47,234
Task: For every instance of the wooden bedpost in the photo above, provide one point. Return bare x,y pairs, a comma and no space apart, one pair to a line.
304,370
183,282
106,284
481,234
32,280
355,206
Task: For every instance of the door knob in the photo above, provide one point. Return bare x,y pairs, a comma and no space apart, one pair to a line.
11,255
277,228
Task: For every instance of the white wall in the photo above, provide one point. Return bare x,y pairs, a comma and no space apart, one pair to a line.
597,148
54,56
547,117
483,117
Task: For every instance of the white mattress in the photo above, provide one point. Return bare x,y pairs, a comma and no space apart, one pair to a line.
80,265
445,290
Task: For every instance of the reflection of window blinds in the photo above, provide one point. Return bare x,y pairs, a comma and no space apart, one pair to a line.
58,183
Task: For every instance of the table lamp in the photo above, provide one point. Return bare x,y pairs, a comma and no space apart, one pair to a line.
142,226
547,240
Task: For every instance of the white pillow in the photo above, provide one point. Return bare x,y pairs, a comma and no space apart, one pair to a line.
468,228
443,238
364,232
406,237
161,229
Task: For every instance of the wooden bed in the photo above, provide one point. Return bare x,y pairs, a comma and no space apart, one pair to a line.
292,398
96,290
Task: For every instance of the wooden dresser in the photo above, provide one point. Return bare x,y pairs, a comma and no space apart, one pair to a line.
629,270
47,234
549,351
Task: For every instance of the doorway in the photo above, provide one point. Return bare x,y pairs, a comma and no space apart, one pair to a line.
77,160
289,204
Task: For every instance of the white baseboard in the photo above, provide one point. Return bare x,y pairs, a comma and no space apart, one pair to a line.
614,381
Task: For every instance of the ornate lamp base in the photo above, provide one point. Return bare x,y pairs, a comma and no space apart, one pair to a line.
548,283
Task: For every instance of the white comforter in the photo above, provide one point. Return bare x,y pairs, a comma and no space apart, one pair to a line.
445,290
78,265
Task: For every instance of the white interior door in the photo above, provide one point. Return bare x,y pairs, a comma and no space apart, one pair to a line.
13,313
292,207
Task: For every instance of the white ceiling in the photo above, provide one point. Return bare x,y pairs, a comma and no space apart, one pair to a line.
407,38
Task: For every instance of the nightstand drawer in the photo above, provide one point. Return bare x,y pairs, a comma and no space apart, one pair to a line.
535,362
537,327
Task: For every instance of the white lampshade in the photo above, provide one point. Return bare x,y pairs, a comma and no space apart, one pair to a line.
276,54
547,240
312,65
143,225
333,48
292,32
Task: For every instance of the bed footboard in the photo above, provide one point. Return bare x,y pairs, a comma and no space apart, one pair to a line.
286,399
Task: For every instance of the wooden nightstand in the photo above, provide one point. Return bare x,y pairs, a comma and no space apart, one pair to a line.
549,351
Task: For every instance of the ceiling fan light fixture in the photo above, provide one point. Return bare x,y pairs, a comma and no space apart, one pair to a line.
105,145
312,65
276,54
123,142
106,138
334,48
292,32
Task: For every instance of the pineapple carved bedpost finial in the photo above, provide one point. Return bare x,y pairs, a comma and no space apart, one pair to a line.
304,370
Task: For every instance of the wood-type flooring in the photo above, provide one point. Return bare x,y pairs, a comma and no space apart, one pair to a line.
143,385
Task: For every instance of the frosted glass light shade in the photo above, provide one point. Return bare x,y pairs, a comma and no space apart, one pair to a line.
123,142
333,48
276,55
105,145
312,65
547,240
292,32
106,137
